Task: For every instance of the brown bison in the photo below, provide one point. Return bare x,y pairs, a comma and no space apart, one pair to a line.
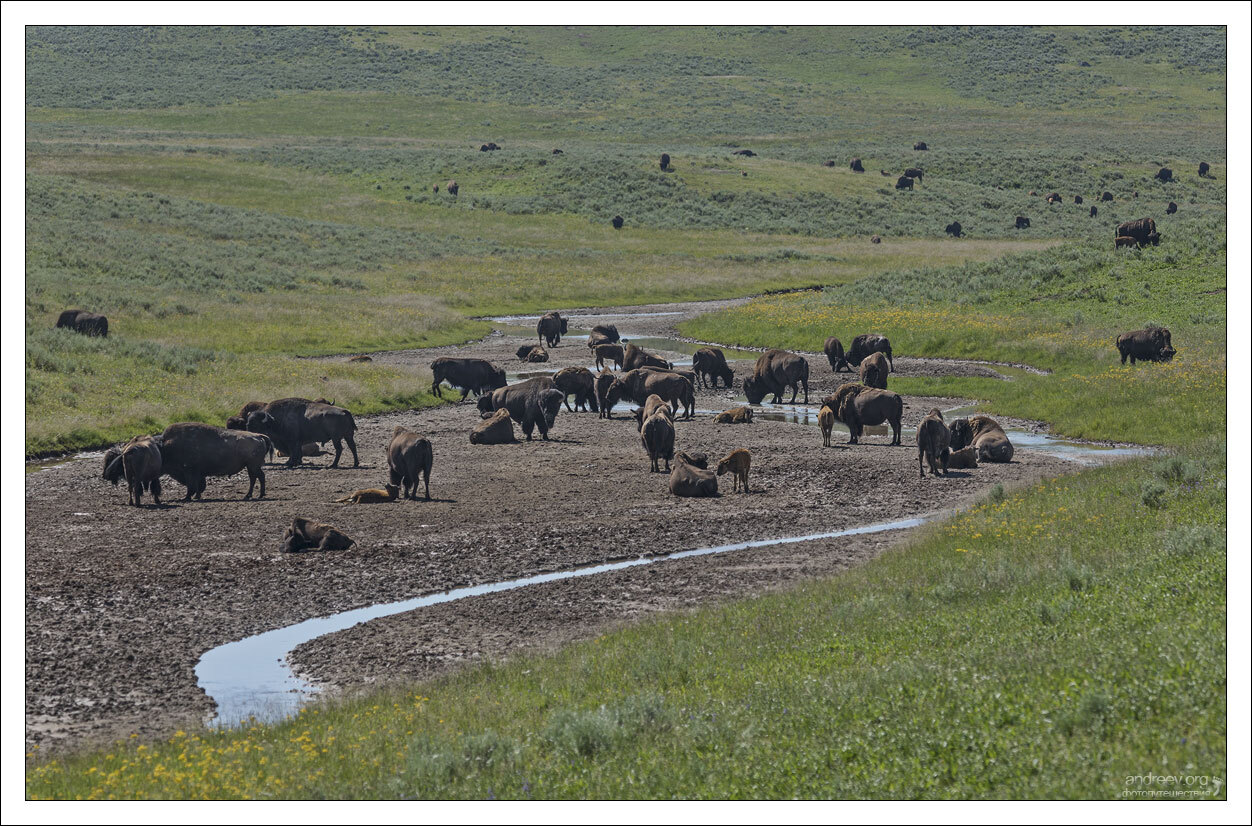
737,462
635,357
954,229
654,404
920,146
833,348
1142,230
409,458
191,452
735,415
534,402
710,363
875,239
932,443
914,172
985,435
523,352
1164,174
700,460
856,165
240,422
637,385
867,343
536,355
360,360
139,462
826,421
305,535
604,381
81,321
498,430
1022,222
657,434
292,423
1053,197
551,327
610,353
1125,241
453,188
775,371
1152,344
664,161
747,153
857,405
874,370
475,376
580,383
692,481
603,334
904,182
1171,208
966,457
618,221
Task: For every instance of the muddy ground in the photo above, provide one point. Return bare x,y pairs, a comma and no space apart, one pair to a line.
121,602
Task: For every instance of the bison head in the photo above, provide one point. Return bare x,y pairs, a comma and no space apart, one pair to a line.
260,421
485,406
564,325
962,434
112,465
550,403
754,389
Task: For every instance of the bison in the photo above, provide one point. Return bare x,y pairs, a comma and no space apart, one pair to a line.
291,423
735,415
932,443
475,376
1204,169
637,385
139,462
874,369
1125,241
920,146
453,188
604,382
1164,174
1171,208
856,165
738,462
657,434
81,321
1142,230
953,229
826,421
580,383
534,402
409,458
710,363
1106,196
523,352
1053,197
240,422
774,372
904,182
1022,222
867,343
609,352
305,534
654,404
1152,344
857,405
833,348
551,327
688,480
914,172
1094,211
875,239
497,430
193,451
635,357
603,334
966,457
617,221
700,460
985,435
664,161
747,153
371,496
1077,199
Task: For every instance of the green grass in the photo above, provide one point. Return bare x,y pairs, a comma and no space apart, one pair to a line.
1050,643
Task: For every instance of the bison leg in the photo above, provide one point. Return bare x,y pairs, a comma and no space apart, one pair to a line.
426,479
895,432
338,452
155,487
351,440
567,407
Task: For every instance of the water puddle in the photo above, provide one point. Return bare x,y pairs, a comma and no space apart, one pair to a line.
36,465
251,678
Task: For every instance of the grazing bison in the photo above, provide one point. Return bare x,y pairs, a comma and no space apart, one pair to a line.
657,434
747,153
1125,241
498,430
1022,222
710,363
371,496
1142,230
735,415
81,321
139,462
617,221
637,385
1078,199
874,369
1171,208
604,334
1204,169
904,182
475,376
966,457
191,452
291,423
826,421
920,146
664,161
604,382
867,343
580,383
453,188
551,327
875,239
953,229
635,357
1094,211
1106,196
914,172
932,443
534,402
985,435
1152,344
1164,175
856,165
738,462
305,534
857,405
1053,197
609,352
833,348
774,372
409,458
692,481
832,165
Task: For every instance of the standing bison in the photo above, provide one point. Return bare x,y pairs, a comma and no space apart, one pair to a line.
637,385
833,348
81,321
710,363
1152,344
874,370
954,229
1204,169
914,172
139,462
453,188
475,376
192,451
664,161
1106,196
1171,208
1022,222
292,423
856,165
409,458
933,438
635,357
609,352
580,383
867,343
1077,199
1164,175
603,334
920,146
985,435
551,327
534,402
1142,230
904,182
1094,211
657,434
618,221
774,372
857,405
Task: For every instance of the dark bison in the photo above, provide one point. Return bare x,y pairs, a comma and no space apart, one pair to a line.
617,221
904,182
453,188
1106,196
874,369
953,229
240,422
833,348
635,357
551,327
534,402
580,383
139,462
604,381
1152,344
985,435
710,363
657,434
1022,222
867,343
920,146
1142,230
664,161
81,321
932,443
409,457
191,452
489,147
774,372
609,352
497,430
747,153
637,385
832,165
1053,197
307,535
857,405
1171,208
603,334
475,376
688,480
1078,199
558,151
914,172
291,423
1204,169
855,165
1094,211
1164,175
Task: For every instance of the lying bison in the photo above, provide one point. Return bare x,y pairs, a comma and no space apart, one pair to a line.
497,430
774,372
904,182
966,457
307,535
551,327
953,229
833,348
709,363
920,146
81,321
688,480
874,369
534,402
526,351
747,153
1171,208
191,452
1152,344
1022,222
735,415
1142,230
475,376
1053,197
867,343
291,423
637,385
409,458
985,435
933,439
635,357
580,383
857,405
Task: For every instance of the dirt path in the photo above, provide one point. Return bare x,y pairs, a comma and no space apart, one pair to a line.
121,602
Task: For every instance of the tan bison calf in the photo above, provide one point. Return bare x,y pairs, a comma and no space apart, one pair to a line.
826,421
735,415
966,457
387,493
738,462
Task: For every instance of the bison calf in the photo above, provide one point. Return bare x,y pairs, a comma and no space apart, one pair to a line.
387,493
737,462
305,534
735,415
